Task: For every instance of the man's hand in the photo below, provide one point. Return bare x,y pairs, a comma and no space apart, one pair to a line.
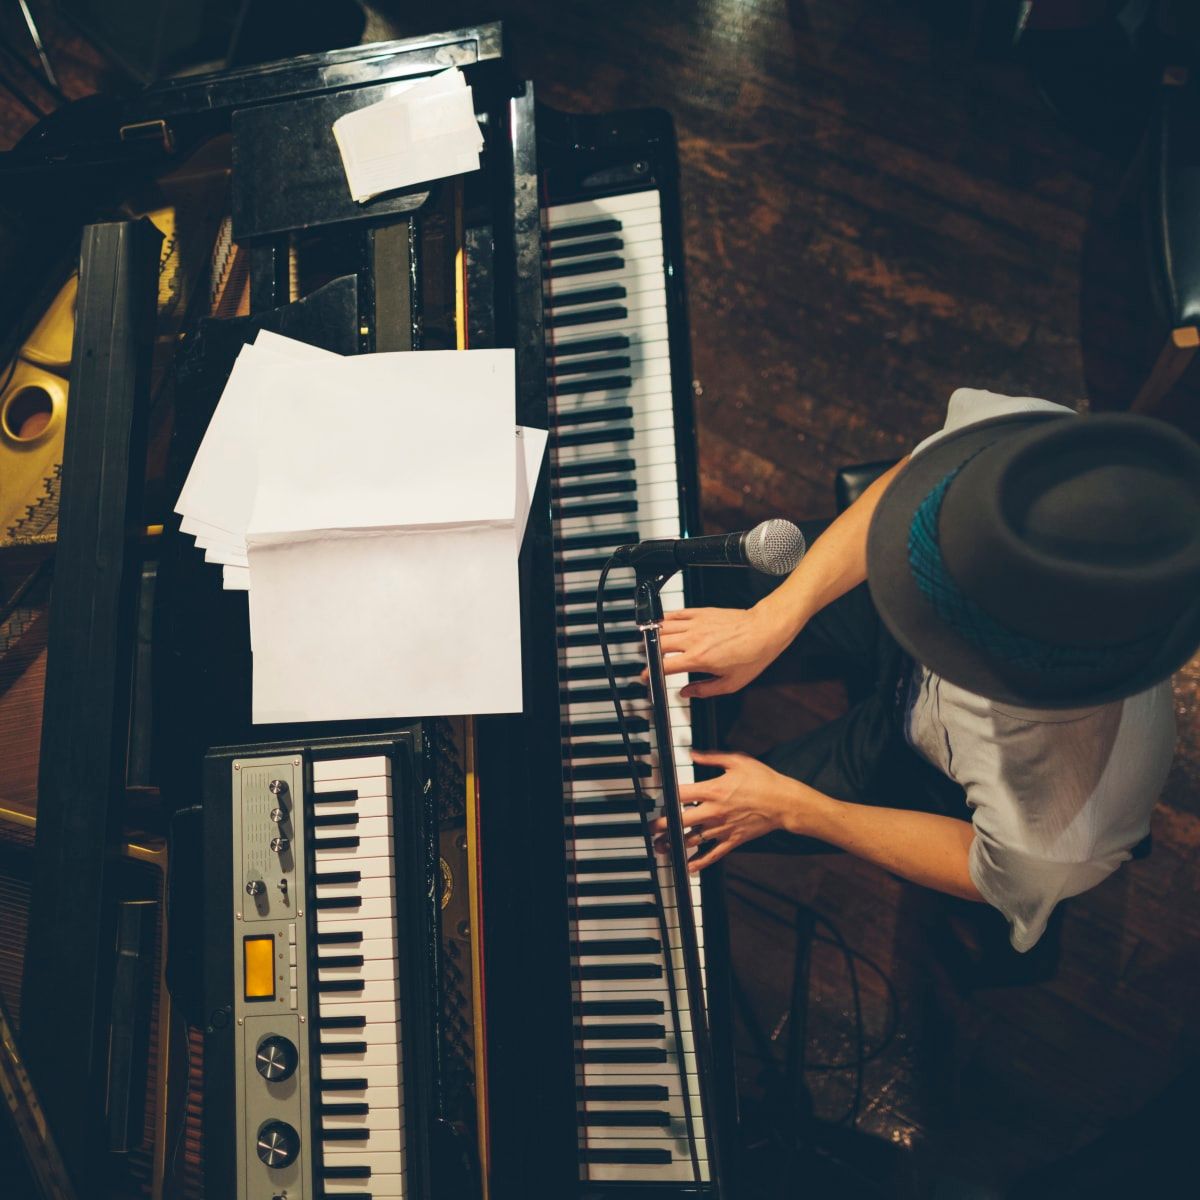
733,645
748,800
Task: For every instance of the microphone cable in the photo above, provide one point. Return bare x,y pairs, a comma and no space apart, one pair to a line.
652,865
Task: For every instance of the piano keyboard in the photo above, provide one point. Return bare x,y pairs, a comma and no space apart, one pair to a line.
615,480
319,1060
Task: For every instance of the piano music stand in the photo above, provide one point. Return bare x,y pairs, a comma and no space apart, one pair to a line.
648,614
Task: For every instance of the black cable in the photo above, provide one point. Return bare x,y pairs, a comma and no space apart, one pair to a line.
648,838
858,1062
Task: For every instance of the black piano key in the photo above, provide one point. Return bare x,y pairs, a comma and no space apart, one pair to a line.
615,616
319,877
607,383
339,937
588,595
609,829
357,1133
346,1022
615,637
336,843
339,1195
587,316
623,1033
588,729
329,961
613,887
337,902
344,1110
622,670
599,802
605,770
341,1047
605,749
631,1054
610,866
593,541
595,437
327,820
568,511
340,985
577,566
623,1093
626,1156
602,1118
632,691
619,1008
588,366
594,487
345,1172
611,971
612,291
335,797
589,833
596,466
612,912
342,1085
586,229
618,947
593,266
583,249
596,345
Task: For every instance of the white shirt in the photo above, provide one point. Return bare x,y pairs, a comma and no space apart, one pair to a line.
1058,797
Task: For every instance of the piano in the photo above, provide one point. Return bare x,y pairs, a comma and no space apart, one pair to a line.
579,1076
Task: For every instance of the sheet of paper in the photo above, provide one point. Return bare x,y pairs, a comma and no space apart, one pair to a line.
421,131
531,449
385,440
386,624
219,490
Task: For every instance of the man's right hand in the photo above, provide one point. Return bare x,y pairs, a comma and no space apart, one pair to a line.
733,645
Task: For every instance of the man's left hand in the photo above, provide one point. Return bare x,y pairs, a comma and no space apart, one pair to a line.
745,802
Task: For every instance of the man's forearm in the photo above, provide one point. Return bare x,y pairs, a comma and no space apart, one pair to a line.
922,847
835,563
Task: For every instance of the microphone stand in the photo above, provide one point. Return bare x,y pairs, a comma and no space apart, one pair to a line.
648,614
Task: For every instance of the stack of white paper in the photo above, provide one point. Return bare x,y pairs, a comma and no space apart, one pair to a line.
422,131
373,507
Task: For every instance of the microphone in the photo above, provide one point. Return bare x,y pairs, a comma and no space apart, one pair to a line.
774,548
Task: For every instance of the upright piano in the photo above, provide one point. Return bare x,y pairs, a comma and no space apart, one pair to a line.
434,962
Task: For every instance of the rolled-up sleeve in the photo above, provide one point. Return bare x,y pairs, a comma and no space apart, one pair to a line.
1026,888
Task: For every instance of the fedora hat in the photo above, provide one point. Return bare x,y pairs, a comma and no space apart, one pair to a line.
1044,559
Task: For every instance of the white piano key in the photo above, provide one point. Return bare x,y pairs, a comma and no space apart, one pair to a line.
372,990
370,969
380,1117
366,927
377,1054
335,858
383,1140
373,886
369,948
378,1187
342,918
376,1075
364,806
368,827
561,216
352,768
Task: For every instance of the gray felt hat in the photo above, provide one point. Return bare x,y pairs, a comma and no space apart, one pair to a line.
1044,559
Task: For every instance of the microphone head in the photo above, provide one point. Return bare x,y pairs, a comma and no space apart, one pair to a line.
775,547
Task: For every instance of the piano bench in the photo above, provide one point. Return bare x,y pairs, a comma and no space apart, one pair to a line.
1170,199
850,482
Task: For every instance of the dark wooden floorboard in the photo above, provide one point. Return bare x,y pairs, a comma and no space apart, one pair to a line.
873,218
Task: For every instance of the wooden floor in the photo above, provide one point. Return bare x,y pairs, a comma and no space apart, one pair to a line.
874,218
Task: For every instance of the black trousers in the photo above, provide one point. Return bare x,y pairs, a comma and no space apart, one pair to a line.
862,756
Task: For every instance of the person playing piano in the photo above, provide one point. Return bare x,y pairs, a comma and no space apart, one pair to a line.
1032,578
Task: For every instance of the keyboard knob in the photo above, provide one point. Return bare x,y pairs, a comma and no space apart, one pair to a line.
278,815
255,887
275,1058
277,787
279,844
278,1144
